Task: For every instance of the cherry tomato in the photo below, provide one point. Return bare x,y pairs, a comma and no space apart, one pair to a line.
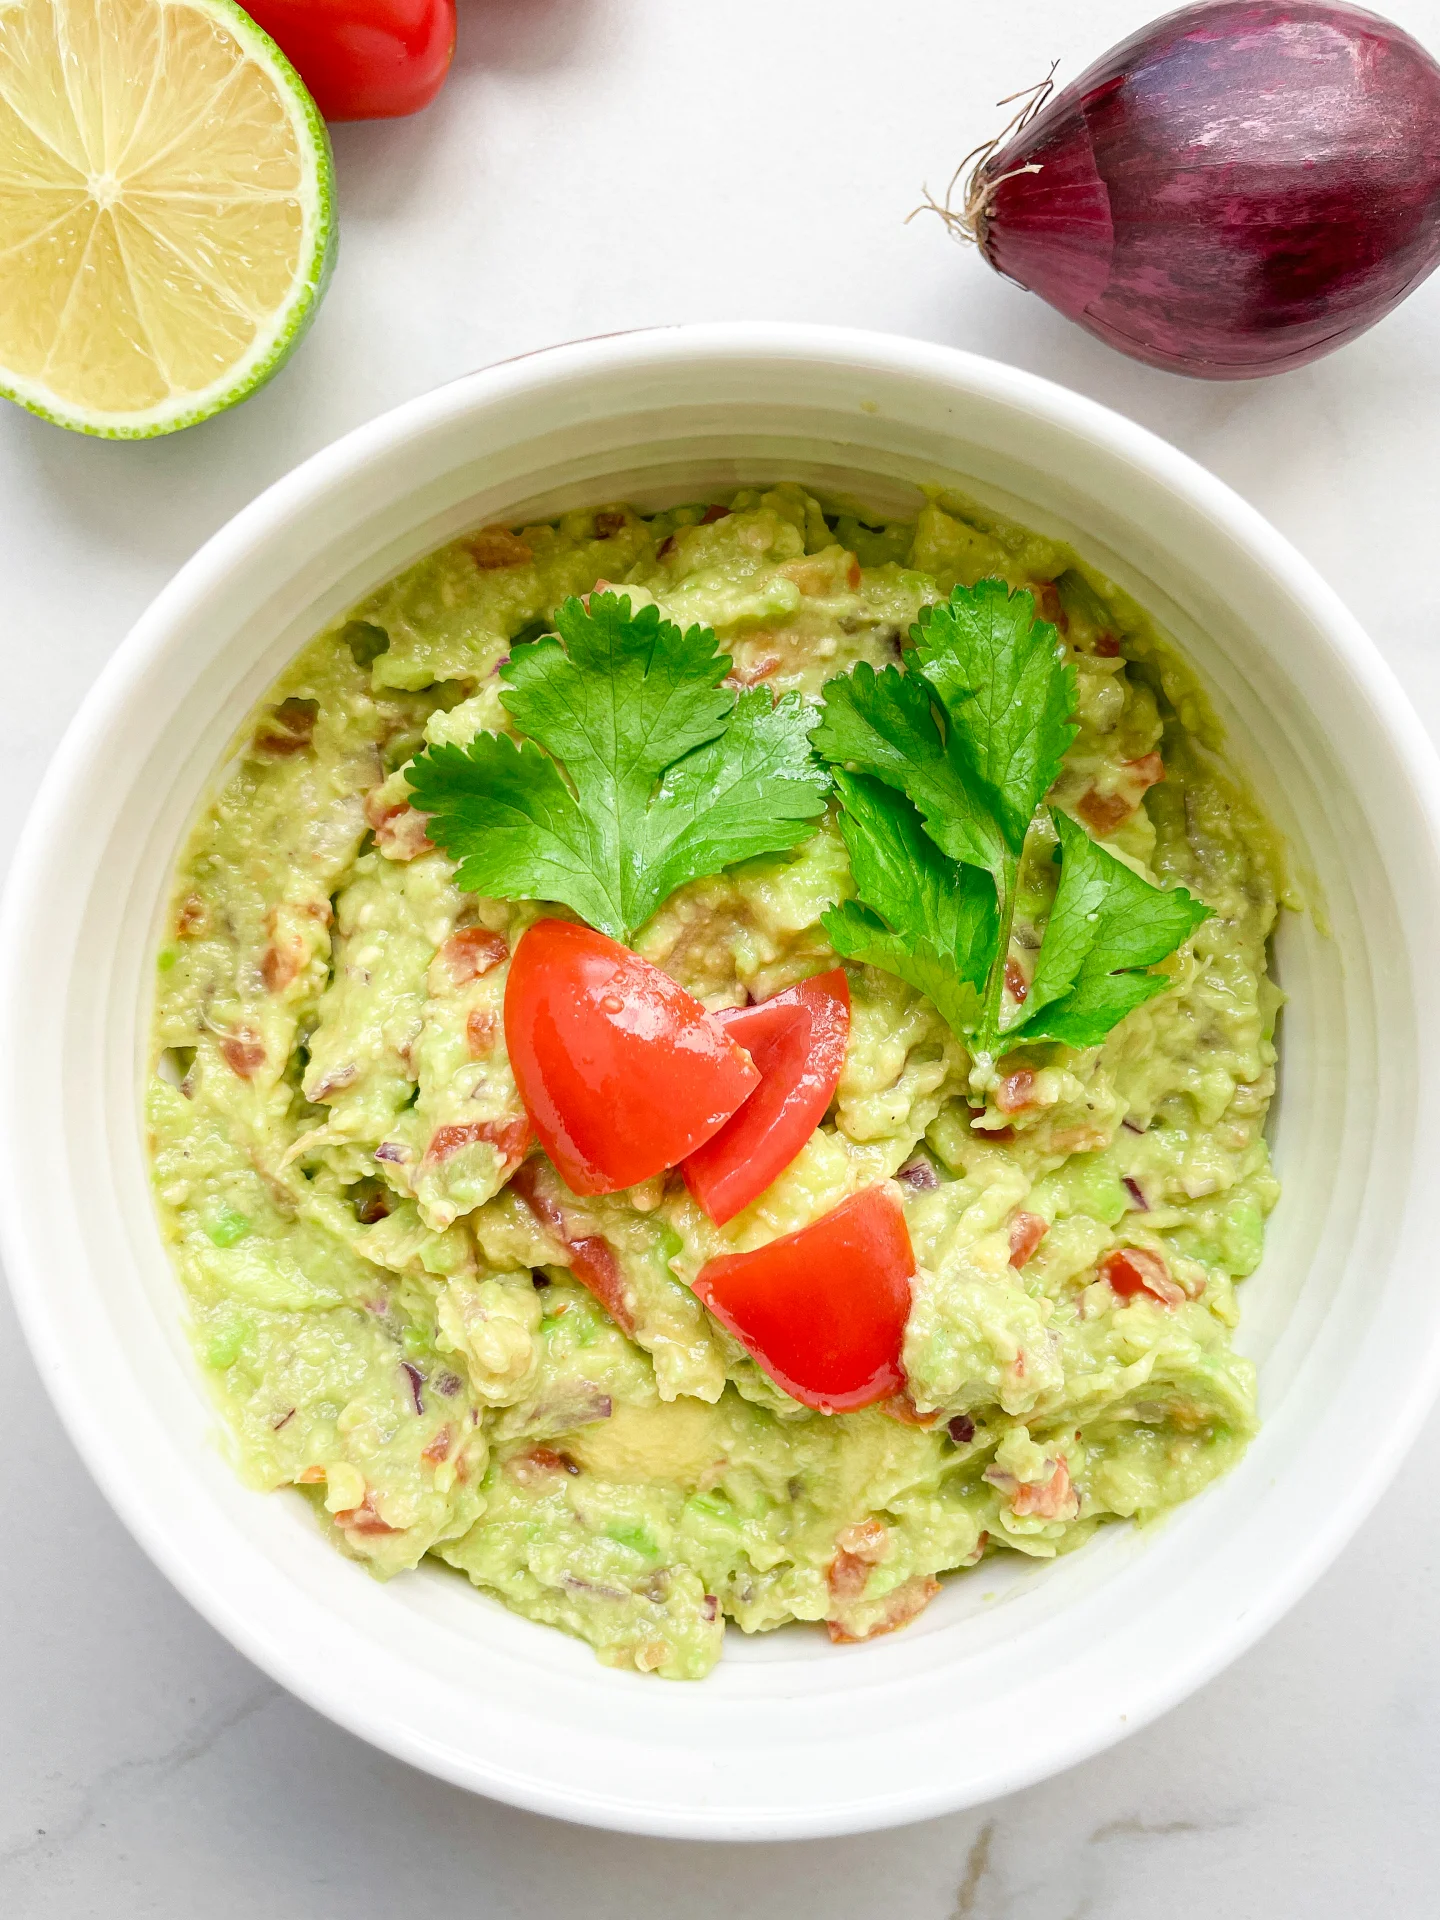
797,1039
823,1310
621,1071
364,59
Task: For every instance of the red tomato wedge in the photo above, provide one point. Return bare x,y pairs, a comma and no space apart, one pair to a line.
364,59
797,1039
621,1071
823,1310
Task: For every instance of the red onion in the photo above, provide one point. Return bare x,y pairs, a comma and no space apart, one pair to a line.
1136,1193
417,1382
1234,190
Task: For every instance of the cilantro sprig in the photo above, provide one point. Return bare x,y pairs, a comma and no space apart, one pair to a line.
968,739
637,773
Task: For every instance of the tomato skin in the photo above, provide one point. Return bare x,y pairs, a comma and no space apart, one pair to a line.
592,1259
797,1039
1132,1270
1027,1230
823,1310
621,1071
364,59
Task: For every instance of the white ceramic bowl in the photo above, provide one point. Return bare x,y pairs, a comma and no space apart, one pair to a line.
1014,1672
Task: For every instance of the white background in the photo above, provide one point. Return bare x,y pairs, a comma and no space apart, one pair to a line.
595,165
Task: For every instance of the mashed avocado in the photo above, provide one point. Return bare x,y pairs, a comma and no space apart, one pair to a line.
389,1325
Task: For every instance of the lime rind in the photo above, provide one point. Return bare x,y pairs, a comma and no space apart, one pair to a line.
292,319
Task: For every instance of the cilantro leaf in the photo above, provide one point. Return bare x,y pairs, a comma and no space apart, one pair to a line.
653,773
858,934
919,915
754,789
1007,693
502,810
1105,924
884,724
628,693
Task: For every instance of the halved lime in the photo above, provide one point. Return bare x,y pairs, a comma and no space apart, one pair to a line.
166,210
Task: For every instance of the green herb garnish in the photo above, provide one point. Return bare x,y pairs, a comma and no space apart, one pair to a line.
925,917
885,724
653,774
1106,926
973,733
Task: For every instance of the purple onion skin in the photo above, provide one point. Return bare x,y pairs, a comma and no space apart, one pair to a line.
1235,190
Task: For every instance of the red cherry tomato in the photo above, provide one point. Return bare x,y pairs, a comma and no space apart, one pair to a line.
797,1039
823,1310
621,1072
364,59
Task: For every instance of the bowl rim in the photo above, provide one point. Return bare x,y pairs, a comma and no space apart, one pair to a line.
244,537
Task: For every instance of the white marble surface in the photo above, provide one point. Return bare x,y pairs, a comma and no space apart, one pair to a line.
599,164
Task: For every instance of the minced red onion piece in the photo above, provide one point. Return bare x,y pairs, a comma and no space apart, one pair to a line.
417,1381
578,1404
1235,190
1136,1193
577,1585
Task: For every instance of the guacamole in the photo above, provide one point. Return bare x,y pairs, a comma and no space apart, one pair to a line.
400,1324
